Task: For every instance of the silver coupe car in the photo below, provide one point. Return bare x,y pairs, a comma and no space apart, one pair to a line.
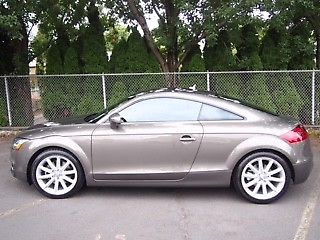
167,137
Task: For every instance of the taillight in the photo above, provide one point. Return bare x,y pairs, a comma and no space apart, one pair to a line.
296,135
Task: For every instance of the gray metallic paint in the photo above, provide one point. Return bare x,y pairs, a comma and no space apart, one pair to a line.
151,154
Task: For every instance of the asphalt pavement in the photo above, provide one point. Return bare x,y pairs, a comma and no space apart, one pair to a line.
156,213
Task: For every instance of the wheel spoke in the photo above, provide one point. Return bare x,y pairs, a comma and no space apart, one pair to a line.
267,168
253,168
68,172
68,179
252,182
51,164
249,175
277,170
260,165
63,184
46,176
49,183
264,188
64,167
274,179
58,162
256,188
273,188
46,169
56,185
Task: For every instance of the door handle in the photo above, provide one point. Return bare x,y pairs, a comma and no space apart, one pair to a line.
187,138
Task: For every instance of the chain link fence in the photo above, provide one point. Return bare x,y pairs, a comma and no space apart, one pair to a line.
28,100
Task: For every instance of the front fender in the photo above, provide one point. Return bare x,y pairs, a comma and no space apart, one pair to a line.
79,147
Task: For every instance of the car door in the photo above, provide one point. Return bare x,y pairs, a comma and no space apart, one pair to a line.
158,141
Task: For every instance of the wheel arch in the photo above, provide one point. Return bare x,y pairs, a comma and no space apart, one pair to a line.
268,150
39,151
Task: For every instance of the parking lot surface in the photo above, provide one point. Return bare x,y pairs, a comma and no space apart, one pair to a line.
156,213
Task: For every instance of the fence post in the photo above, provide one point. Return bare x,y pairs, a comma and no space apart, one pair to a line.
104,92
8,101
313,97
208,81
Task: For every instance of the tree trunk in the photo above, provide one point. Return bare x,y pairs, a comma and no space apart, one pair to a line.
19,87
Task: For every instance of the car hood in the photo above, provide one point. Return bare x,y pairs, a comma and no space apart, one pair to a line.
62,127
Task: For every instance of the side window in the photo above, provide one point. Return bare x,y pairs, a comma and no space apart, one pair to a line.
162,110
210,113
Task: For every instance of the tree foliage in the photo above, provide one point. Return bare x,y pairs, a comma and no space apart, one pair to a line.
218,55
248,49
274,50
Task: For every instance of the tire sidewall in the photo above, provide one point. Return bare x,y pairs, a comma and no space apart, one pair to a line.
237,177
48,153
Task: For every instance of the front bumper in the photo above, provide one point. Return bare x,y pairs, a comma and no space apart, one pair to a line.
19,164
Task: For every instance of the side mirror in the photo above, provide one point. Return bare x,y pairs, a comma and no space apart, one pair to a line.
115,119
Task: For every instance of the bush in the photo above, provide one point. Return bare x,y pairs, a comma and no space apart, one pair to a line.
118,93
285,96
229,85
62,99
145,83
256,91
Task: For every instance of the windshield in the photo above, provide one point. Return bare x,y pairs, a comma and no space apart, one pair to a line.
95,117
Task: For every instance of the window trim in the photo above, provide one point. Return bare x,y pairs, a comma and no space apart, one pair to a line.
220,120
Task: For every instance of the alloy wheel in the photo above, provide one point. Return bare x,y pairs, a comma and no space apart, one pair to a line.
263,178
56,175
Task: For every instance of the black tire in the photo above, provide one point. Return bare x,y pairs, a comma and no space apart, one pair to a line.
238,179
75,166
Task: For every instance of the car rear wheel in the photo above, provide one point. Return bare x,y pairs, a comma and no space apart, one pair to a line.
57,174
262,177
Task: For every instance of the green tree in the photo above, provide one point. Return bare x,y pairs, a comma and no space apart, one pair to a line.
182,24
15,16
196,64
218,56
54,61
248,49
301,47
71,61
94,55
118,58
274,49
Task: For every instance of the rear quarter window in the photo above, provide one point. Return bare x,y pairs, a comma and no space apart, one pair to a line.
211,113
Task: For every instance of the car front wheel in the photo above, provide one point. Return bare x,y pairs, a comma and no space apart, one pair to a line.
57,174
262,177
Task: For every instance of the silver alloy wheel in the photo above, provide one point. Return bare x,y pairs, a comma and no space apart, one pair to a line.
263,178
56,175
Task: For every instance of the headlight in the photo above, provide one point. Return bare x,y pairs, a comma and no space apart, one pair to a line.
18,143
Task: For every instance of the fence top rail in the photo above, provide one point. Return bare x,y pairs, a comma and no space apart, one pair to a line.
161,73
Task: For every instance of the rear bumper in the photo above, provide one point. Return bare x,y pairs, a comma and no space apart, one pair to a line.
302,170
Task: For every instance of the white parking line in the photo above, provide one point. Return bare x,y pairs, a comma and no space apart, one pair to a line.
303,229
21,208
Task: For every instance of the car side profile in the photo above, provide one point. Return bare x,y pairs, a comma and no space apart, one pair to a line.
167,137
